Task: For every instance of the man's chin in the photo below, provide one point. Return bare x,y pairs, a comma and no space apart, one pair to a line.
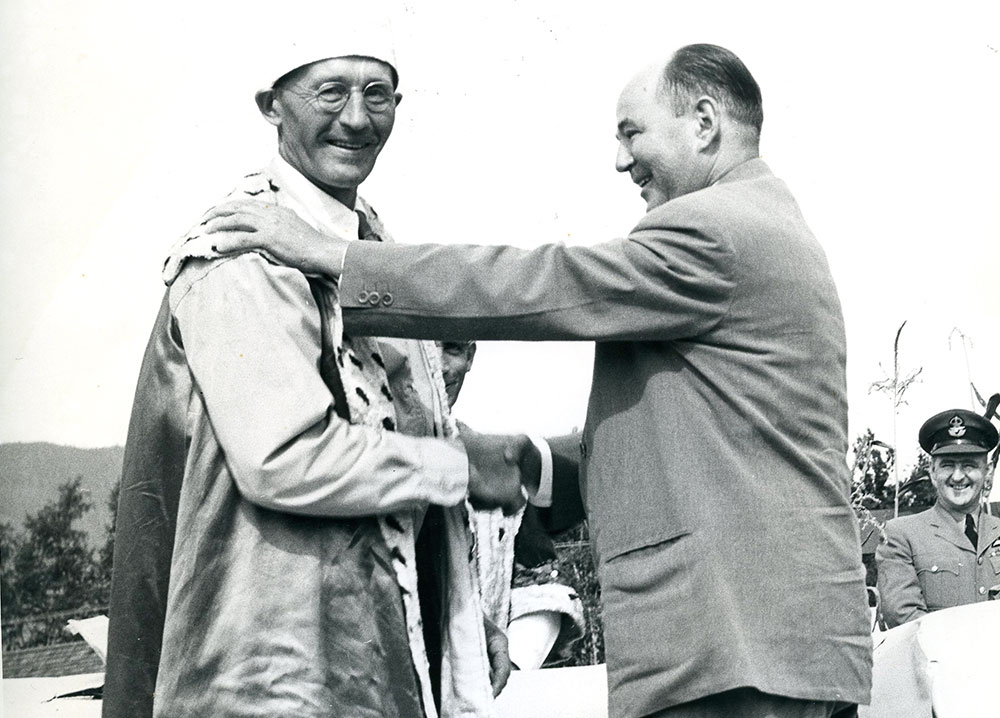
345,177
337,179
964,501
654,200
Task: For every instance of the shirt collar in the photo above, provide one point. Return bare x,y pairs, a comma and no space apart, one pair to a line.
314,205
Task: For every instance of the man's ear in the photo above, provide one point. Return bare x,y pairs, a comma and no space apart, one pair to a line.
708,115
399,98
269,105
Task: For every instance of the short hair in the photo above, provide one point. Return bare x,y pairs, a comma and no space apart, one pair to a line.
703,69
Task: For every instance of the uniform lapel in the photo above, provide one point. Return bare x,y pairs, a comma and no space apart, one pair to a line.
989,531
945,527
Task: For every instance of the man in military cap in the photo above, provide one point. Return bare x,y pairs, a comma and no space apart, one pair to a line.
948,555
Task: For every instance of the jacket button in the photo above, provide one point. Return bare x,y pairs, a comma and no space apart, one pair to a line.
362,297
980,560
982,590
934,569
387,300
374,298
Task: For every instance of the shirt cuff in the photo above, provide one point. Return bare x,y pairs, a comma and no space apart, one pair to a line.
543,497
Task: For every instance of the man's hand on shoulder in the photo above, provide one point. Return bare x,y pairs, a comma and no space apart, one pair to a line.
246,225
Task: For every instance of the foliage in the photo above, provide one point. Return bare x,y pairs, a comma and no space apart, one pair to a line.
874,461
917,492
577,564
49,571
53,565
871,489
8,547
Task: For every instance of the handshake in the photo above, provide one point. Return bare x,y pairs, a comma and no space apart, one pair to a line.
500,469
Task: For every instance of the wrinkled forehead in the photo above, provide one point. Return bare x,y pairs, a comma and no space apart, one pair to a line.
975,457
350,69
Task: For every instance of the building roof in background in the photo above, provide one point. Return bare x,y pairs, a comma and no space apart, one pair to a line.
64,659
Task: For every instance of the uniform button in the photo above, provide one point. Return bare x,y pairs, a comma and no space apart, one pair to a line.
362,297
934,569
980,560
982,590
387,300
374,298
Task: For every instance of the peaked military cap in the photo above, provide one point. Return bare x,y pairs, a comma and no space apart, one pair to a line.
957,431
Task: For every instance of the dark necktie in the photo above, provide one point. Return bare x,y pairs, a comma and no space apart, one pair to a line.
970,531
365,231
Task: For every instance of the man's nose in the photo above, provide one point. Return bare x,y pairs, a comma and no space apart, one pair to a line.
354,114
624,160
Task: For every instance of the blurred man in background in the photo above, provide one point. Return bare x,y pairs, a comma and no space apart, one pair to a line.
530,593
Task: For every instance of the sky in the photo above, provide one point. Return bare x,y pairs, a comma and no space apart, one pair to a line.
121,123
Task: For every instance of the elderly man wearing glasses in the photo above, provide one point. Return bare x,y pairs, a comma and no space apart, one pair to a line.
276,477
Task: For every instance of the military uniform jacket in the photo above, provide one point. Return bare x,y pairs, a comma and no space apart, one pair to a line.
927,563
714,473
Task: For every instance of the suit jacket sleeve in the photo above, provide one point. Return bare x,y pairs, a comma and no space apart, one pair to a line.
659,283
902,597
567,507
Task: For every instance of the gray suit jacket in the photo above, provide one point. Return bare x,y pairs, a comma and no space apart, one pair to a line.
927,563
714,472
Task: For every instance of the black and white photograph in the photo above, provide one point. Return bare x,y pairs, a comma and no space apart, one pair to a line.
418,359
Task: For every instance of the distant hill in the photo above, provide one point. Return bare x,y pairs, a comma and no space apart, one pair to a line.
30,475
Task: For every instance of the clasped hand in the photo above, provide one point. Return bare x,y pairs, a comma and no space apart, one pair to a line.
245,225
499,466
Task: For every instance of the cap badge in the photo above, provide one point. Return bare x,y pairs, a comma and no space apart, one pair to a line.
957,427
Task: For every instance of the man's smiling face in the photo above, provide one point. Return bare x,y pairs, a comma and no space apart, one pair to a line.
336,149
655,146
958,480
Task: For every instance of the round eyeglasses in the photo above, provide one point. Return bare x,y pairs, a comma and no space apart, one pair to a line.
333,96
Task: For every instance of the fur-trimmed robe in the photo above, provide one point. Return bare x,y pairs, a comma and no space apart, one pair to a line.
165,447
